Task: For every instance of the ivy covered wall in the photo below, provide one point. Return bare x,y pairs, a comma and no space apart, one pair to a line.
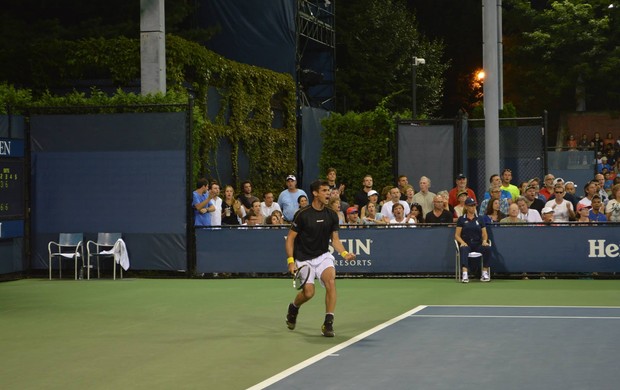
248,96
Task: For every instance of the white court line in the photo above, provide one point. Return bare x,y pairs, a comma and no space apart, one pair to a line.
269,381
533,307
529,317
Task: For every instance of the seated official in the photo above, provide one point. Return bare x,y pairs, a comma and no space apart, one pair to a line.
471,235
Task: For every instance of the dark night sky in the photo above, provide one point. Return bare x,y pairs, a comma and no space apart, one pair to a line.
459,25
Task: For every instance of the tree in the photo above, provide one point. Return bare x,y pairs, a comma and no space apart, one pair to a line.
562,56
377,41
26,26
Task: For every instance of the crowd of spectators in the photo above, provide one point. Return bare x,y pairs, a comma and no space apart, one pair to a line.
606,150
554,202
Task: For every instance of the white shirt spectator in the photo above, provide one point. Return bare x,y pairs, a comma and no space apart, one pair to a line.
560,211
386,209
531,216
408,221
216,216
267,210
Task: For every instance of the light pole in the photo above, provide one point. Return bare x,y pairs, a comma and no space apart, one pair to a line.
416,61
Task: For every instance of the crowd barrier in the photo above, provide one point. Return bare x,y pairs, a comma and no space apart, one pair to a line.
420,250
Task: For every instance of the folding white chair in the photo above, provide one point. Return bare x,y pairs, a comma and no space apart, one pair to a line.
457,272
102,248
69,246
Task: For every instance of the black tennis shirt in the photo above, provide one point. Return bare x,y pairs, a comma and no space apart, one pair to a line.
314,229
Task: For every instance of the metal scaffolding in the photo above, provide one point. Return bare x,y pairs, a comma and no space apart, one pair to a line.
316,53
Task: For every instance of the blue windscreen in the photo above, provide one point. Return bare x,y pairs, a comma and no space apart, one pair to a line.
112,173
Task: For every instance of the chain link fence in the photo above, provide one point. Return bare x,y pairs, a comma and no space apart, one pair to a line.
522,150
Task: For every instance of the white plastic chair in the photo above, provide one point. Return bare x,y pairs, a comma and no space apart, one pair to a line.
102,248
457,272
69,246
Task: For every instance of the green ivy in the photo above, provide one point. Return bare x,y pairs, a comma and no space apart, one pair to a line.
249,96
357,144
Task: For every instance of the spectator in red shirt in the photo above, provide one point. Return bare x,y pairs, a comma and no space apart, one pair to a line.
547,190
461,185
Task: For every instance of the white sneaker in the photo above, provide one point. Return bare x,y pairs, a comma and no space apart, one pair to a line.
465,280
485,277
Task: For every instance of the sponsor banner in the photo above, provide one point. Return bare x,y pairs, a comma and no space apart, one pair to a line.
10,147
419,250
11,229
556,248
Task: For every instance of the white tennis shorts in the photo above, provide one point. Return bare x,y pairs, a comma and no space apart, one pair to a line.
316,266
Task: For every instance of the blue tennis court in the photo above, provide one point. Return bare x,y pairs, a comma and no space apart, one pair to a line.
471,347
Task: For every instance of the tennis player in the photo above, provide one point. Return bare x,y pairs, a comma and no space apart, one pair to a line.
307,243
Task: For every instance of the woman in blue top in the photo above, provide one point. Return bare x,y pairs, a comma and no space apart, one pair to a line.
471,235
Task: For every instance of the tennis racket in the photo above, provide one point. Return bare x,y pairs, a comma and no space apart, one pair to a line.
300,277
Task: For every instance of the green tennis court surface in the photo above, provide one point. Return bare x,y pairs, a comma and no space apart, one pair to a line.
218,334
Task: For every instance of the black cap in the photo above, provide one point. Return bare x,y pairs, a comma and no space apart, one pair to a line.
461,176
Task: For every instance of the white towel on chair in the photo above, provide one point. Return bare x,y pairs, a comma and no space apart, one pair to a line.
120,254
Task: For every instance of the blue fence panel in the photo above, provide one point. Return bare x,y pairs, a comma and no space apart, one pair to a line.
420,250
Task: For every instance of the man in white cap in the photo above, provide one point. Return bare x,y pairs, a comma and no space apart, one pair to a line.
571,193
571,188
288,198
373,197
547,215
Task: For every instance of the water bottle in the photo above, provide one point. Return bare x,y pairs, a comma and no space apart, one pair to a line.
81,275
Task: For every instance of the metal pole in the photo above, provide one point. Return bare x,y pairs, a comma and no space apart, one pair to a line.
152,46
414,90
413,87
491,87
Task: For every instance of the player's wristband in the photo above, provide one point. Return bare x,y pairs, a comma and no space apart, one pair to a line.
344,253
290,260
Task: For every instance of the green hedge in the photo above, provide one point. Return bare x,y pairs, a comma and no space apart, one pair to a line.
357,144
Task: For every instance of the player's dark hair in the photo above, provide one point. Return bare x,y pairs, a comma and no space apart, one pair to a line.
317,184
